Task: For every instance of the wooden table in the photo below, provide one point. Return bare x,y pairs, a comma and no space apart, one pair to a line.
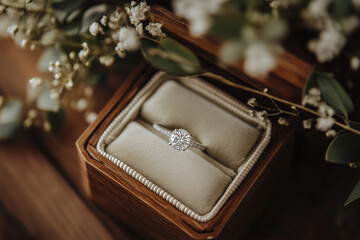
41,181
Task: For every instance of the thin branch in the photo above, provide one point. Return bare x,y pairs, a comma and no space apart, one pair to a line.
248,89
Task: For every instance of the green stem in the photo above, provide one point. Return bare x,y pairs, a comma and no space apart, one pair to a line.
248,89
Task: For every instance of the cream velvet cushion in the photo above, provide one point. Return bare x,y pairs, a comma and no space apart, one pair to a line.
185,175
227,138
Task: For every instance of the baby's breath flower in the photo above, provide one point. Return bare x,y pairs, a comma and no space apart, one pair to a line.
261,115
155,29
355,63
32,113
95,28
324,123
266,90
84,53
312,98
106,60
252,102
139,28
69,84
259,60
128,41
325,110
81,104
137,12
24,43
35,82
12,30
54,94
283,121
104,20
28,122
331,133
307,123
90,117
47,126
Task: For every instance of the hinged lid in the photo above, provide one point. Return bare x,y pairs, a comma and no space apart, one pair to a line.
286,80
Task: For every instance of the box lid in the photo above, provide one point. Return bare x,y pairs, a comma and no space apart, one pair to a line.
286,80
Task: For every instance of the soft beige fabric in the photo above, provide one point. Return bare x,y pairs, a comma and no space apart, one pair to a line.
228,171
227,138
185,175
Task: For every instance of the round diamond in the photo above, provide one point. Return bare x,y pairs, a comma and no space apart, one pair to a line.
180,139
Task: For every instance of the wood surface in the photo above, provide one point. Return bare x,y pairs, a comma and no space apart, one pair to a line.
304,203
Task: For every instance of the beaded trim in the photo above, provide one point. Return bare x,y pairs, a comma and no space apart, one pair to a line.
209,91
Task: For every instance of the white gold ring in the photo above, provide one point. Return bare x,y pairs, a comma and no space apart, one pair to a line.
179,139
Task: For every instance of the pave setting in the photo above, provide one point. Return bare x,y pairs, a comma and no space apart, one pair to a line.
180,139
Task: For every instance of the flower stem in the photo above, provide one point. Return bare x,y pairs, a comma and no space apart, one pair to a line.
248,89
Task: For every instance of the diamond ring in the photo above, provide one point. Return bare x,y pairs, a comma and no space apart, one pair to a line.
179,139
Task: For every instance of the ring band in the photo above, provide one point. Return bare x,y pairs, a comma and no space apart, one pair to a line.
179,139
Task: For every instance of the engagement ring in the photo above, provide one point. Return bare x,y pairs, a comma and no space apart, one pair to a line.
179,139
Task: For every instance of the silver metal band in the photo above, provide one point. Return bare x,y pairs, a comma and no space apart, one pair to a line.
179,139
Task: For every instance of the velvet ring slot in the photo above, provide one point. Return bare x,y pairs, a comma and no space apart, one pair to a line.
195,182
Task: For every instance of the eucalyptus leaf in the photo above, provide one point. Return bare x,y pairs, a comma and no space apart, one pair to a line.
310,82
56,120
52,53
45,102
355,194
91,15
334,95
231,51
62,9
49,37
171,57
344,149
10,118
227,25
274,30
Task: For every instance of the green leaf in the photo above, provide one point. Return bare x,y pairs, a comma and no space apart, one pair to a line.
10,118
341,8
274,30
344,149
227,26
310,82
171,57
50,54
45,102
355,194
232,51
334,95
56,120
62,9
91,15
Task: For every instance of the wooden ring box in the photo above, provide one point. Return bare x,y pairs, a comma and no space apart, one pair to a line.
140,209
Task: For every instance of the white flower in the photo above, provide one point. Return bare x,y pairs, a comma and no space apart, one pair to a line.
252,102
35,82
23,43
198,13
155,29
137,12
81,104
84,53
258,60
355,63
307,123
261,115
313,98
329,44
139,28
90,117
331,133
128,40
104,20
349,24
325,110
106,60
12,30
283,121
95,28
324,123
